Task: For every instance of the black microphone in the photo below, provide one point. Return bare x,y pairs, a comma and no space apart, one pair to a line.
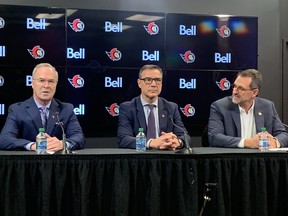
65,150
277,118
187,149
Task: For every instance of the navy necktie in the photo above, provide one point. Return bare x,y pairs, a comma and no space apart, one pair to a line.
151,128
43,112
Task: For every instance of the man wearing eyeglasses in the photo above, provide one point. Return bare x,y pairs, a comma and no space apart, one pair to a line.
135,114
236,120
41,111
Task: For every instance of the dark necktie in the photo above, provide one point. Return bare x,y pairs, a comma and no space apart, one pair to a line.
43,112
151,128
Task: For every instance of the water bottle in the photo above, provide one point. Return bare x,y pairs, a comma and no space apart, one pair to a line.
140,141
41,142
263,140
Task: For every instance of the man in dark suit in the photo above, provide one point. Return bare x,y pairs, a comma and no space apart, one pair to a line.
24,118
236,120
134,114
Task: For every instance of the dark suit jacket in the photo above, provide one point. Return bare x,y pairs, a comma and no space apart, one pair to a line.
224,128
132,117
24,120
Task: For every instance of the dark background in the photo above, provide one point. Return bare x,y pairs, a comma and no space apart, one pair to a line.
96,67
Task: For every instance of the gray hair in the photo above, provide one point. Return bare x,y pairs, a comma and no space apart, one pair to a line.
255,75
44,65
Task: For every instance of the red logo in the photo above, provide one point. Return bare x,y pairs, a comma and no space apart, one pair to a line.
77,25
76,81
152,28
223,84
188,110
224,31
188,57
37,52
114,54
113,110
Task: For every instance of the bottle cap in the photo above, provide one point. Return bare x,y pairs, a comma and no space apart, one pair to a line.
263,129
140,129
41,130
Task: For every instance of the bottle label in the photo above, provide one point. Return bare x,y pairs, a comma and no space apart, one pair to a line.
141,145
41,145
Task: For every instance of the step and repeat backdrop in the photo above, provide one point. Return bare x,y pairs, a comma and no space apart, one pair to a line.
98,54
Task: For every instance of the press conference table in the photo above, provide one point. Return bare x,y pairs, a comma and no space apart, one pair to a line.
124,182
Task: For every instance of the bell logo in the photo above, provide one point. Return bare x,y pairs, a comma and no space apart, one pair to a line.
28,80
77,54
79,110
31,24
2,51
187,85
150,57
222,59
113,83
2,109
187,31
109,27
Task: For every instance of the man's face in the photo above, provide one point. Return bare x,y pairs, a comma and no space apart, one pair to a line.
44,84
152,85
242,94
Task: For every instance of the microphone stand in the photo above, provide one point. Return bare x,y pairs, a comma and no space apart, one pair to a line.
64,150
187,149
207,195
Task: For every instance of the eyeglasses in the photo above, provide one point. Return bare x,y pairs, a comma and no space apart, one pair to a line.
149,80
241,89
43,81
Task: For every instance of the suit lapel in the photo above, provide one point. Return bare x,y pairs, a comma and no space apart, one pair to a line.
162,115
236,117
52,119
34,113
140,114
259,116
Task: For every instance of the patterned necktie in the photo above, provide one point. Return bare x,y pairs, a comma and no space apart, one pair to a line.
43,112
151,128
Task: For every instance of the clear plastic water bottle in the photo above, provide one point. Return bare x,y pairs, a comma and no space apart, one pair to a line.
140,141
263,140
41,142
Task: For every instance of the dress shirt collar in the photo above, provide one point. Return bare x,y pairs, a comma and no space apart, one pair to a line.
145,103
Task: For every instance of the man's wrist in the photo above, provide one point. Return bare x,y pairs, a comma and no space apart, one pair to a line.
181,144
277,143
33,147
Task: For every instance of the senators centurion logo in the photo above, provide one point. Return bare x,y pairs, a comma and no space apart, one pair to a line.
113,109
188,57
37,52
77,81
2,22
224,31
77,25
114,54
224,84
188,110
152,28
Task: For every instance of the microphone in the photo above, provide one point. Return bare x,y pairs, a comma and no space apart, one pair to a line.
277,118
187,149
65,150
